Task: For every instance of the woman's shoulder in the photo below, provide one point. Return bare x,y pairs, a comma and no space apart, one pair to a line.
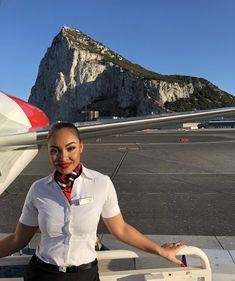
93,173
38,187
42,181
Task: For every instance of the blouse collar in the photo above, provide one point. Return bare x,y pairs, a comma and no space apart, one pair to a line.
85,172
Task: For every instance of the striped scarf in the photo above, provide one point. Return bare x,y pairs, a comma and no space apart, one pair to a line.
66,182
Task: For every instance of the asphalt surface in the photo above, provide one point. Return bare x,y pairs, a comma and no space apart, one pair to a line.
164,185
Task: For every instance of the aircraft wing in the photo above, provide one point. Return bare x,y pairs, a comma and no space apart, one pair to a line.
15,138
24,127
90,130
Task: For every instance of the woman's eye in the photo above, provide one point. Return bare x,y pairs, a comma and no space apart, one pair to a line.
71,148
53,151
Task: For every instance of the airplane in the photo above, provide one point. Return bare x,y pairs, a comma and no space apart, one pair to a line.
24,128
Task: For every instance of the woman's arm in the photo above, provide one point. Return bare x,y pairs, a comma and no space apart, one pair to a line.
18,240
129,235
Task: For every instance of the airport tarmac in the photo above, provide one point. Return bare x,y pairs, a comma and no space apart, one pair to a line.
168,189
164,186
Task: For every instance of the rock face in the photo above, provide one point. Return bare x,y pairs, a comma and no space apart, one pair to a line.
78,73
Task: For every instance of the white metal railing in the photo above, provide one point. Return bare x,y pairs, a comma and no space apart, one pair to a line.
202,273
157,274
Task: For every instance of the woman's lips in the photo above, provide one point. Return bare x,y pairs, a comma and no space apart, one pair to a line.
64,165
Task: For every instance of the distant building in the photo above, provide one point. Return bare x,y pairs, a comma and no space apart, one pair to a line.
90,115
190,126
181,126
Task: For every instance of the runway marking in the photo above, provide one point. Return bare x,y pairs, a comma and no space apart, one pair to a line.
180,174
34,174
146,173
158,143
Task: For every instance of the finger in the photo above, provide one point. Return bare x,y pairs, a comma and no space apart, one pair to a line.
181,246
178,262
176,249
178,243
168,245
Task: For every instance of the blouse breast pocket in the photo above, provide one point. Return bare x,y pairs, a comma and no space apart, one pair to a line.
85,215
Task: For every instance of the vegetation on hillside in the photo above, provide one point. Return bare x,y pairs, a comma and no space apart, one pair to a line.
206,97
200,100
79,39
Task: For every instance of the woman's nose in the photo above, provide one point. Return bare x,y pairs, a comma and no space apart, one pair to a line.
62,155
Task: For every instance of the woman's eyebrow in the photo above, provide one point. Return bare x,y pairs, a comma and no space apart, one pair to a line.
68,144
73,142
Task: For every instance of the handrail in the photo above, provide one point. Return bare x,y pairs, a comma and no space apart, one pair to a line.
115,254
149,274
194,251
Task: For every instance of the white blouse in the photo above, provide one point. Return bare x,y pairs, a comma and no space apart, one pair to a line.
68,232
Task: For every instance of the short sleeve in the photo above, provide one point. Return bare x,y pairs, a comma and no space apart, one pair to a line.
29,215
110,207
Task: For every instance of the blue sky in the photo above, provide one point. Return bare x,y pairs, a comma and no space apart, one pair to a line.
186,37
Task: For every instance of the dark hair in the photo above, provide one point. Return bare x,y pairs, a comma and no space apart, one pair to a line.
61,125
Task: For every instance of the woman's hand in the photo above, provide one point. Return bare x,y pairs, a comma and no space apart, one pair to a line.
129,235
170,250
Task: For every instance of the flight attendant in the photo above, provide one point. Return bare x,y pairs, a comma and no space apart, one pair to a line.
66,207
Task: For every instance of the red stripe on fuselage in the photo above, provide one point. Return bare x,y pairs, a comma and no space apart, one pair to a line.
36,116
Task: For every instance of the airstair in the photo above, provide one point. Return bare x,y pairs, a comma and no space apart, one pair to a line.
201,271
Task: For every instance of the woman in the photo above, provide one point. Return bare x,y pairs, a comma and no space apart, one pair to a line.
66,207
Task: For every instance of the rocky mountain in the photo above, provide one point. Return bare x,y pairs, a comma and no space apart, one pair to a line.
78,73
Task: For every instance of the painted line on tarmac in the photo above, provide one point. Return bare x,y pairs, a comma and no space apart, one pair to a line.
180,174
146,173
158,143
